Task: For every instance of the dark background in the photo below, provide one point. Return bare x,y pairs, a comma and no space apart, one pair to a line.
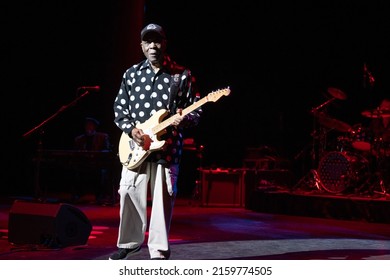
278,58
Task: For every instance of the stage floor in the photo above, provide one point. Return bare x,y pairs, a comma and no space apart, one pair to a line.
214,233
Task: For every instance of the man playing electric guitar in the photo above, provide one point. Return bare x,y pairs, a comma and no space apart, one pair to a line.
156,83
132,152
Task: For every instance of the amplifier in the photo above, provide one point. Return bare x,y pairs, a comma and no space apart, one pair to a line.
223,188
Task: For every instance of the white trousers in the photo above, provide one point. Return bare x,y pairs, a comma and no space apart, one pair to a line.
133,191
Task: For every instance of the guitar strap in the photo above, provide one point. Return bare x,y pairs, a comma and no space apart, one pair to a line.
175,81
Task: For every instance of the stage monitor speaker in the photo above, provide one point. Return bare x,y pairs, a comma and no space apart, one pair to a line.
51,225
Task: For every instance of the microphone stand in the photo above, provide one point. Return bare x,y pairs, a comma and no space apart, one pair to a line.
39,154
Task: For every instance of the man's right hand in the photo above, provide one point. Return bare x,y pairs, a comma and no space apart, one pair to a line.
138,136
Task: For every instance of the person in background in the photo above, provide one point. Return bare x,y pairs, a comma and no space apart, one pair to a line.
151,85
91,139
95,176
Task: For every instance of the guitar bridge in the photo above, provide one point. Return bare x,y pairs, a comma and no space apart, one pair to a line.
129,157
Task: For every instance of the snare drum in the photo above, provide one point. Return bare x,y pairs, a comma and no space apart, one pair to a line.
361,138
343,144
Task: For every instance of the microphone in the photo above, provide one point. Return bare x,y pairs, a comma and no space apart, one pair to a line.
89,88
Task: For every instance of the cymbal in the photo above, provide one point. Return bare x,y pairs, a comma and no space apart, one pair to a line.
334,123
336,93
377,113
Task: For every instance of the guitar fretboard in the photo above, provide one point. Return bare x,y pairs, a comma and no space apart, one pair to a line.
213,96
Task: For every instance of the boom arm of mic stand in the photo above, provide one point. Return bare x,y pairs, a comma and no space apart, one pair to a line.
38,190
62,109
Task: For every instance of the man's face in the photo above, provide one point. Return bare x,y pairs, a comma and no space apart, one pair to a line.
153,47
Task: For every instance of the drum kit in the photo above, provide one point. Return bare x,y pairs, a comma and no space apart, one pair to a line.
356,164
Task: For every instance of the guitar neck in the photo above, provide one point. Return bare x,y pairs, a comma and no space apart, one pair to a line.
164,124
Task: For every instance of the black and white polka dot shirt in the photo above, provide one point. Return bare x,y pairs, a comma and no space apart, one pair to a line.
142,93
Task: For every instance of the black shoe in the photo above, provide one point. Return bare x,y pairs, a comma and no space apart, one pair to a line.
123,253
165,255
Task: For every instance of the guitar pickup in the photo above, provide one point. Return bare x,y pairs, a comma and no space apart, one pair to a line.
131,144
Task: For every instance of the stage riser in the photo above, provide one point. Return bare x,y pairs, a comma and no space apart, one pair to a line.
376,211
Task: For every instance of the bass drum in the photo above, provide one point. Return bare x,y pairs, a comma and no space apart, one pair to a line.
342,171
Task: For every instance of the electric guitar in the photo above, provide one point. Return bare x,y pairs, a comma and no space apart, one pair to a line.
132,155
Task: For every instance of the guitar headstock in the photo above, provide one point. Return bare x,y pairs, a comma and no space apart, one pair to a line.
215,95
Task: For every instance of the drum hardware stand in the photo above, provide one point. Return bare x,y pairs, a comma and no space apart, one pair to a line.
314,150
382,186
375,180
317,181
366,186
381,168
196,195
372,185
310,180
320,134
380,182
319,142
